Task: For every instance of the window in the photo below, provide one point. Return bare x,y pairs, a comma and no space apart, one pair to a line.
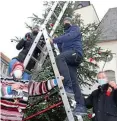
4,69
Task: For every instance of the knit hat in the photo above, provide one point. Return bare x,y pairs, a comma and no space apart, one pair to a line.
68,19
18,65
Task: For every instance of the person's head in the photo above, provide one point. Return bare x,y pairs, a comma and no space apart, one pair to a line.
17,71
35,30
102,78
67,22
28,36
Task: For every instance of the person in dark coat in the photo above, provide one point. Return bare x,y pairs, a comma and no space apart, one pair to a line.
103,100
68,60
25,44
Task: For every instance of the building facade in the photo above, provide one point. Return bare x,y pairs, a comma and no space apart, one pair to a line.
108,41
4,60
87,14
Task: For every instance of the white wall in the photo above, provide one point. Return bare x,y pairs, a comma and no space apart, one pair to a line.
112,65
88,14
111,45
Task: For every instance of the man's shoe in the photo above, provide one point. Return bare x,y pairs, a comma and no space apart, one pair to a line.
69,92
80,110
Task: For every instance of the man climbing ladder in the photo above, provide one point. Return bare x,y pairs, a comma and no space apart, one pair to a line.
68,61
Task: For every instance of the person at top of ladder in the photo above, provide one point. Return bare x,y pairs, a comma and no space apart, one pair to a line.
68,60
104,99
25,44
14,93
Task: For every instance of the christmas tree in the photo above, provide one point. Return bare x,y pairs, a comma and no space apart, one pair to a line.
86,71
92,53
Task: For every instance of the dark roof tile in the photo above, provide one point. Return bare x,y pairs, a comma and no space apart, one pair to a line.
108,26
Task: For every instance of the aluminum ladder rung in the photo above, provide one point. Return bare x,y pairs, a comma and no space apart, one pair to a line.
55,15
34,59
39,46
60,6
28,71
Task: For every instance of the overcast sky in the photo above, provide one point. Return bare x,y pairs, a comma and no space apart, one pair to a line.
14,13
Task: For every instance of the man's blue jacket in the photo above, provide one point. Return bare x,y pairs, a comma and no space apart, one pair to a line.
70,40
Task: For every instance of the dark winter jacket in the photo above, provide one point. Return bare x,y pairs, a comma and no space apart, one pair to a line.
104,107
72,39
25,45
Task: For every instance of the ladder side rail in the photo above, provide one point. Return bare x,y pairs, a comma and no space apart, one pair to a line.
56,24
42,59
50,12
59,18
59,81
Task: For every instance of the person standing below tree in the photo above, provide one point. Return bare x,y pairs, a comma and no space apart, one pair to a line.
70,57
104,99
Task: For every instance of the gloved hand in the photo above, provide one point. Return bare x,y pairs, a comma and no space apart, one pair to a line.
113,84
51,41
55,36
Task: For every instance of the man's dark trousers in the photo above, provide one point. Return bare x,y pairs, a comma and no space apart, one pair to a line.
67,63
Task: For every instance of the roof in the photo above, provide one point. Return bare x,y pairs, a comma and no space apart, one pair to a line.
108,26
4,57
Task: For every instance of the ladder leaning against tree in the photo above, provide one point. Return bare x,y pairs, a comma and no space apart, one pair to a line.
47,49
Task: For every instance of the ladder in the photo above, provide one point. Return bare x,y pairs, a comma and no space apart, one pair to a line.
47,49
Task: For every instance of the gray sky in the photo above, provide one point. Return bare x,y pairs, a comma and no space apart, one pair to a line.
14,13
